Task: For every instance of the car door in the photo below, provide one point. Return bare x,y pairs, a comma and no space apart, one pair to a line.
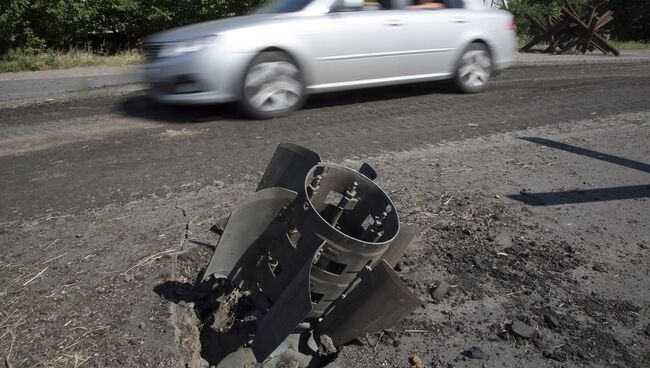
355,48
430,40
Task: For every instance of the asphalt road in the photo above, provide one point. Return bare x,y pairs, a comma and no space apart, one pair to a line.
89,149
44,84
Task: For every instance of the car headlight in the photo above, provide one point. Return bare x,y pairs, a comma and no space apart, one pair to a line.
184,47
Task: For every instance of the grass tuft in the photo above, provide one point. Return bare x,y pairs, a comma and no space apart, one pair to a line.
631,45
18,60
621,45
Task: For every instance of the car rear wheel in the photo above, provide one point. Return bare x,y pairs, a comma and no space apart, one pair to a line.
474,69
272,86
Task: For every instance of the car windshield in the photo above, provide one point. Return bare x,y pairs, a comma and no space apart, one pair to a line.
284,6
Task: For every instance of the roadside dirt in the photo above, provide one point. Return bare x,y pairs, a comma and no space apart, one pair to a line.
96,150
528,239
576,272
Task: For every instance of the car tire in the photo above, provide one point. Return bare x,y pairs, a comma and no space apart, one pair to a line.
272,86
474,69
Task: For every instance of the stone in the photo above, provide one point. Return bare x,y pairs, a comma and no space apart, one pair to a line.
416,362
457,256
503,335
557,355
647,330
551,321
326,346
599,267
522,330
287,363
369,340
475,352
391,333
480,263
440,291
628,305
619,337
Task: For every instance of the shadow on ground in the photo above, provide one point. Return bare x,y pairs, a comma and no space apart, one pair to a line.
143,105
586,195
583,196
204,297
590,153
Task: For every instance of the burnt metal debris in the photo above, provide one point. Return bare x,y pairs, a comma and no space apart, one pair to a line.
315,246
571,31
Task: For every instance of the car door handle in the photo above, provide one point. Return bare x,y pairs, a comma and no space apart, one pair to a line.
394,23
459,20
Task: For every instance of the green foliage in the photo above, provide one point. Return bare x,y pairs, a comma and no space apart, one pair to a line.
36,25
631,20
631,17
540,9
110,25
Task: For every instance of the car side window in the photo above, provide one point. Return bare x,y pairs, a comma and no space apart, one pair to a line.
377,5
436,4
370,5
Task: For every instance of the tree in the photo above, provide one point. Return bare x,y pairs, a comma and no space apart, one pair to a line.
631,20
111,24
631,17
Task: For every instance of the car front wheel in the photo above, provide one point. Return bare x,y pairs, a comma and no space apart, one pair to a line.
272,86
474,69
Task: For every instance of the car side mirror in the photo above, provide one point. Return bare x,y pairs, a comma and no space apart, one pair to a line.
347,5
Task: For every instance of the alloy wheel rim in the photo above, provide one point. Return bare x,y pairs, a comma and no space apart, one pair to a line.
475,68
273,86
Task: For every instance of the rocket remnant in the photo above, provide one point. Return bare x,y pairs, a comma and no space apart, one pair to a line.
315,244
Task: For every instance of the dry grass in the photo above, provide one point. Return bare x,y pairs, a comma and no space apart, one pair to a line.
17,329
224,316
631,45
150,259
621,45
172,133
21,60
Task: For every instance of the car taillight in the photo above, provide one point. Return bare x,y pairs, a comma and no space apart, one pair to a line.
512,25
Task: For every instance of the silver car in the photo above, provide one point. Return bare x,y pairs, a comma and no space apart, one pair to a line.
271,60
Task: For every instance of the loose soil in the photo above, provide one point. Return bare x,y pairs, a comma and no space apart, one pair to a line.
539,272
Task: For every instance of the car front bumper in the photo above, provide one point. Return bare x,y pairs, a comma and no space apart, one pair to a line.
203,77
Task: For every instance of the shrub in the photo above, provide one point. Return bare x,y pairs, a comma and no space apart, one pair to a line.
108,24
